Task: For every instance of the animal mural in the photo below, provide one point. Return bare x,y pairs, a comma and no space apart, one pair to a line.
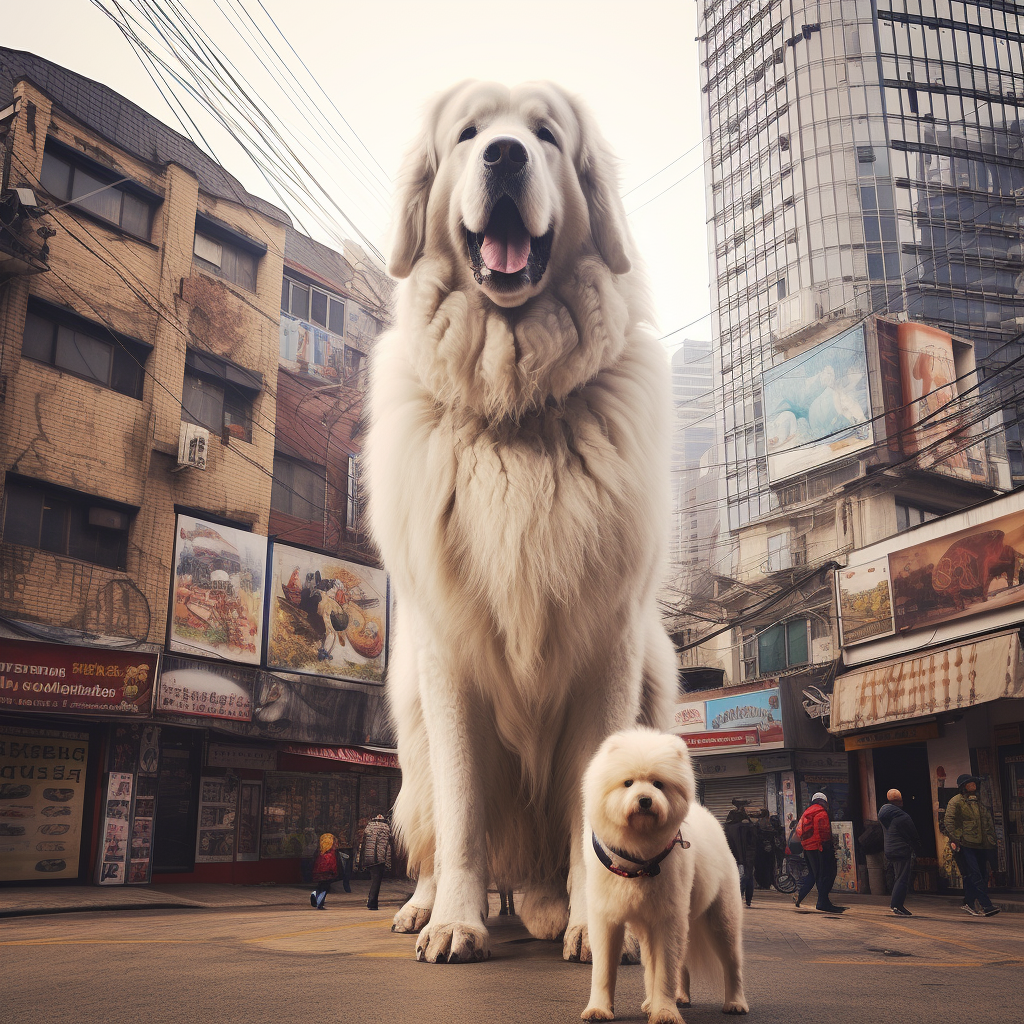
327,617
218,591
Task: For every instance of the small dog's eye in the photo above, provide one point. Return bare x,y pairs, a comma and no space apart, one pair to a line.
628,783
659,785
469,132
544,134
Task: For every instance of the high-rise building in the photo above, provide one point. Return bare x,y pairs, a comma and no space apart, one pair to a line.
861,157
693,434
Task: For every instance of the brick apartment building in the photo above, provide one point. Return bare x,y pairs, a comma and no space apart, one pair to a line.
155,433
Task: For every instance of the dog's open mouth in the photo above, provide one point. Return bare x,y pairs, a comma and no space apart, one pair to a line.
504,254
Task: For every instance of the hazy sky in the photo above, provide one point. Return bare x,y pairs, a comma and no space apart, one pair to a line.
635,65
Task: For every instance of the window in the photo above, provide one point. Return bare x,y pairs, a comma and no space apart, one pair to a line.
60,338
782,646
94,192
313,304
66,523
353,361
225,260
299,489
352,502
908,516
219,395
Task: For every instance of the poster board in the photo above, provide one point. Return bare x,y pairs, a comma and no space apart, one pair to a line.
112,862
846,863
218,811
42,800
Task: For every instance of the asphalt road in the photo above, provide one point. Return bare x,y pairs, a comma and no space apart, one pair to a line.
279,965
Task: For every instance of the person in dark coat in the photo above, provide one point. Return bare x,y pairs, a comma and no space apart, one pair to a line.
902,844
741,834
972,838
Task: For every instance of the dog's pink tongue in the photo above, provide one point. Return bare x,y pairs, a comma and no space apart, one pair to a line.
506,246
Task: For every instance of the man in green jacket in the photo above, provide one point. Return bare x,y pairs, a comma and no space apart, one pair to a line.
972,835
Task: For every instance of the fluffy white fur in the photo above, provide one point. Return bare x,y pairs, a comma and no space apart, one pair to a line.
692,904
517,462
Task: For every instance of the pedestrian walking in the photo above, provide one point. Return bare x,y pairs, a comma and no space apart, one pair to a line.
741,834
902,844
972,836
764,861
815,834
327,869
375,855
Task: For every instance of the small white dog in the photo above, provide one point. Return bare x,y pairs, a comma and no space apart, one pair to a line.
658,862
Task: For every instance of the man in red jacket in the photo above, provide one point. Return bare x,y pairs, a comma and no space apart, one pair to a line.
815,834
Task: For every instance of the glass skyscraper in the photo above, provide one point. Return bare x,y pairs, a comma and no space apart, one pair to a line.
860,157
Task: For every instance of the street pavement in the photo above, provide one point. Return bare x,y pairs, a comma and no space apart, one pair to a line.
261,954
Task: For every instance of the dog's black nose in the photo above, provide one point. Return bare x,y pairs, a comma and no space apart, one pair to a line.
645,802
505,155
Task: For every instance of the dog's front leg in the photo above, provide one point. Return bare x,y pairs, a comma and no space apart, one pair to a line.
664,951
606,941
455,932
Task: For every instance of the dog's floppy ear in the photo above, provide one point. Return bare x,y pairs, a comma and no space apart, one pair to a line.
410,217
596,168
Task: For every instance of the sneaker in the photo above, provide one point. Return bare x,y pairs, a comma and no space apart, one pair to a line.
831,909
901,912
371,906
991,911
970,910
312,899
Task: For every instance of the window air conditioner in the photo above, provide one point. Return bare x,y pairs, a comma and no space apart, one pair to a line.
193,445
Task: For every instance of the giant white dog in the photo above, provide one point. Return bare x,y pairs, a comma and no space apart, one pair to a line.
658,862
517,461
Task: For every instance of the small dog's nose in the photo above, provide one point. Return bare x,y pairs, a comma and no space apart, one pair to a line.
505,155
645,802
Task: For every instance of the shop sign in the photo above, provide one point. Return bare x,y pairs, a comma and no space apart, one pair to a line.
689,717
719,740
821,761
227,755
42,797
749,718
943,680
892,737
1006,735
43,678
205,690
377,758
739,765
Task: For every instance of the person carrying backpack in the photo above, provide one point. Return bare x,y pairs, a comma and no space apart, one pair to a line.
814,831
327,868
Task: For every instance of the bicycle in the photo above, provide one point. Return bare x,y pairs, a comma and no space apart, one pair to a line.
787,877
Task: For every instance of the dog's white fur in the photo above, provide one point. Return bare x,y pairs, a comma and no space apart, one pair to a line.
517,461
692,904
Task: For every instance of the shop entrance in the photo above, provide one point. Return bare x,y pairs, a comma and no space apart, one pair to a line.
906,768
177,801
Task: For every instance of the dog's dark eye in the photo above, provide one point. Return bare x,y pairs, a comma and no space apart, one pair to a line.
469,132
544,134
658,785
628,783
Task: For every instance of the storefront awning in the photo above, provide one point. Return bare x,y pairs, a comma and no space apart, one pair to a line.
353,755
937,681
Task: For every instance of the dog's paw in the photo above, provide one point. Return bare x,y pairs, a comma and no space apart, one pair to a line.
736,1006
545,912
665,1015
598,1013
411,919
452,944
576,947
645,1006
683,1002
630,949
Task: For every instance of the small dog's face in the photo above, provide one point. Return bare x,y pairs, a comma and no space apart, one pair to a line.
638,789
508,187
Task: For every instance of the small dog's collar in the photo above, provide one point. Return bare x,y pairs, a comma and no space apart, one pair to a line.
620,863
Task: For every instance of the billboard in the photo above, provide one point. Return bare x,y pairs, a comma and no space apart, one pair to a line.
218,591
865,602
742,721
817,407
205,691
328,617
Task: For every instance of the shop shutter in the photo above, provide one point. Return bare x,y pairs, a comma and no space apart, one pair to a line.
718,794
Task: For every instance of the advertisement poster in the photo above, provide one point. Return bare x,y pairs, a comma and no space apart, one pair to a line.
816,406
865,602
328,617
42,797
759,711
218,810
960,574
140,862
205,691
218,591
846,864
57,679
112,868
